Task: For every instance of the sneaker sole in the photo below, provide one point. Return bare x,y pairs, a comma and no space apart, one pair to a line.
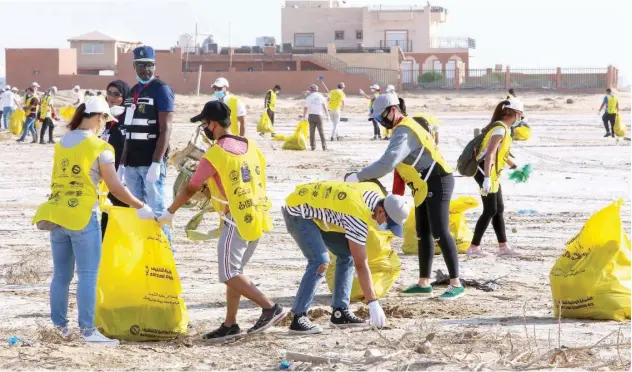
426,295
350,325
312,331
452,298
272,322
225,338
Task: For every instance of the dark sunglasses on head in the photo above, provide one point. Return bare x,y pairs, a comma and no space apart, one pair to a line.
113,94
145,64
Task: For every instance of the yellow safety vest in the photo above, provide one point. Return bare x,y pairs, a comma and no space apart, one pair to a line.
409,173
234,122
45,106
72,195
501,155
510,96
244,181
375,95
612,104
338,196
273,98
432,121
28,104
335,99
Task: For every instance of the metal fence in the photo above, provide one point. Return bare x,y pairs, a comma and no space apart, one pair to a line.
418,79
545,78
581,78
404,45
482,79
378,75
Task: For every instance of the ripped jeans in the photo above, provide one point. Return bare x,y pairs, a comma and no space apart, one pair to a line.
315,244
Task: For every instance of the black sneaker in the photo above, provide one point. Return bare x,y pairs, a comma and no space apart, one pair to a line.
344,318
332,139
223,333
269,318
607,135
302,325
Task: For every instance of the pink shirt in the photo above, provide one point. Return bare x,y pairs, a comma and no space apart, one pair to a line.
206,170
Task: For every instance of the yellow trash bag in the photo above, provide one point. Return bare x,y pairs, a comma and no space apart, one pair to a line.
16,122
265,125
67,112
298,141
38,125
522,133
619,127
459,230
591,280
138,288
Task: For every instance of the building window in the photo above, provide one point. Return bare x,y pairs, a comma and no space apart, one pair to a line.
359,35
92,48
304,40
339,35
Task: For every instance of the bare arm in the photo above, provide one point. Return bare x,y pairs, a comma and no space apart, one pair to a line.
183,197
108,174
361,261
436,136
305,112
124,154
166,122
511,163
242,125
603,104
326,109
490,155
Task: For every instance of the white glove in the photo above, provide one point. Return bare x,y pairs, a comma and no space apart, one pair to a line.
352,177
362,92
154,173
487,185
378,318
165,218
120,174
145,213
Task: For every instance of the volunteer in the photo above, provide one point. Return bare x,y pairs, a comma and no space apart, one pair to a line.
235,171
314,110
76,91
512,93
148,123
414,154
611,103
492,156
270,103
2,91
375,92
402,108
9,102
81,162
336,105
47,114
114,133
356,208
237,106
31,105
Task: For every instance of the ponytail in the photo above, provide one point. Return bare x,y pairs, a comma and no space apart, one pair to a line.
80,114
500,112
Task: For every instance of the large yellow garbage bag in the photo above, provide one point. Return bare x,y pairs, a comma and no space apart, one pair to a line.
67,112
16,122
459,230
265,125
522,134
138,288
591,280
298,141
619,127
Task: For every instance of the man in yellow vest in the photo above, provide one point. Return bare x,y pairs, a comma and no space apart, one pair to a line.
47,114
236,105
270,103
611,103
235,171
336,105
31,106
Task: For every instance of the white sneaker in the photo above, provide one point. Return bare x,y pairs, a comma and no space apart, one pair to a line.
475,252
63,331
94,336
508,252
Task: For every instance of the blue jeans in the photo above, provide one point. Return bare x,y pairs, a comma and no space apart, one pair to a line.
314,243
151,193
83,249
29,125
8,111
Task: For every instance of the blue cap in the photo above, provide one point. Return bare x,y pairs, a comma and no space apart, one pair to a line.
144,53
396,229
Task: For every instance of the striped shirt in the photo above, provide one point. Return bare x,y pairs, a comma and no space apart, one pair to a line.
356,230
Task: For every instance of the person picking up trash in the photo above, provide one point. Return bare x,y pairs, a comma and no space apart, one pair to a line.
356,208
235,170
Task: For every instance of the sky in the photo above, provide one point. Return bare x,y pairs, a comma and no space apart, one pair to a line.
518,33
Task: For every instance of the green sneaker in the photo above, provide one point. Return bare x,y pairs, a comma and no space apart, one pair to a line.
417,291
452,293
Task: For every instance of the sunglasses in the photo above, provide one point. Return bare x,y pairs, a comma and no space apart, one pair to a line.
217,89
113,94
145,64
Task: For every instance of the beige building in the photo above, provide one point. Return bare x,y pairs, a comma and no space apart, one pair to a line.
97,51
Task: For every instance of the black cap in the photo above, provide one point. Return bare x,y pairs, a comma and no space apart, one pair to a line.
213,110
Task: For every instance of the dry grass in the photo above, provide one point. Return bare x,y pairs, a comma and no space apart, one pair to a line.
28,270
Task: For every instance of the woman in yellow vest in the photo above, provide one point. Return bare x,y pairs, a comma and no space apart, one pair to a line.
611,103
235,171
81,162
375,92
413,153
493,155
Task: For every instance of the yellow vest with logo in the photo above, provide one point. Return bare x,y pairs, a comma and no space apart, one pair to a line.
234,121
335,99
72,195
28,104
244,181
273,98
501,155
409,173
612,104
45,106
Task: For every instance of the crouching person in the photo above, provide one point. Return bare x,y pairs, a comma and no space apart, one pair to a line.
236,174
356,208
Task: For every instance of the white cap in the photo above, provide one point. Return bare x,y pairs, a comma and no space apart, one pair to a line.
221,82
375,86
8,87
382,102
53,88
35,84
313,88
14,89
397,209
98,105
515,104
390,89
76,87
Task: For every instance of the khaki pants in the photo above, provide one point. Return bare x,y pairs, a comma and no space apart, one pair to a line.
316,121
335,119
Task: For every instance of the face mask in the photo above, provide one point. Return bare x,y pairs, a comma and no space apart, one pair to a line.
117,110
220,94
386,122
209,133
383,227
143,81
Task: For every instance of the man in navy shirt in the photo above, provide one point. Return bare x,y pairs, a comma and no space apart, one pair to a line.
148,122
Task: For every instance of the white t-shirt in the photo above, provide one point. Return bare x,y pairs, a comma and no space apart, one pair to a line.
7,99
78,96
241,106
314,103
500,131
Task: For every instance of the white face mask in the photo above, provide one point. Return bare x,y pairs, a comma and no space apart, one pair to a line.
383,227
117,110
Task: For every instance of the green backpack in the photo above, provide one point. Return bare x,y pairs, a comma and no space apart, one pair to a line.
467,164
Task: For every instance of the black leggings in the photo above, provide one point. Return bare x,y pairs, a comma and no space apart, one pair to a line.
376,128
493,209
50,125
608,121
433,222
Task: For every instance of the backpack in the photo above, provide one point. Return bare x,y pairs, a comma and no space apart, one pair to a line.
467,164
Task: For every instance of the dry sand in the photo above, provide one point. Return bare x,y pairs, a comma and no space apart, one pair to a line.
576,172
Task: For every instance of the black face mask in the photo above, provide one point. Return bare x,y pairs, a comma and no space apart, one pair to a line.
209,133
386,122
